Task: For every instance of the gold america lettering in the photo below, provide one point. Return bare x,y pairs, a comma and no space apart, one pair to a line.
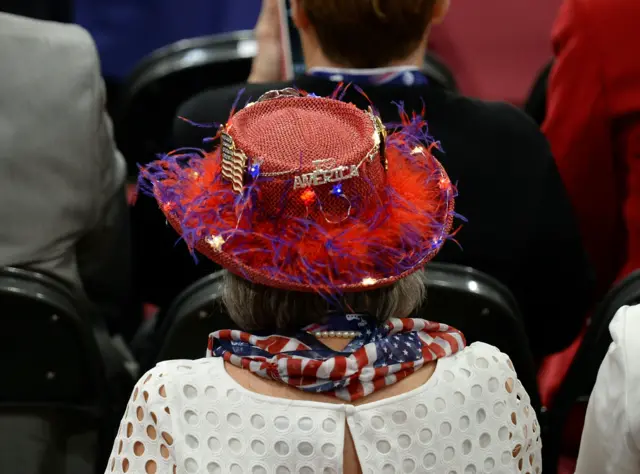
323,176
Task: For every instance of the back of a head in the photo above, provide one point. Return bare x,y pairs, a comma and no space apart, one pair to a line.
258,307
368,33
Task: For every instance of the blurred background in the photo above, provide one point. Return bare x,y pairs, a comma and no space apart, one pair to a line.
493,47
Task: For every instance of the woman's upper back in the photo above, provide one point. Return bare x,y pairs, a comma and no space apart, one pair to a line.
472,415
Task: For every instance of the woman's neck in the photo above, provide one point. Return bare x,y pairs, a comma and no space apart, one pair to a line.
334,343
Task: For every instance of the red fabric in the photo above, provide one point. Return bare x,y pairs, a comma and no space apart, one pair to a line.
289,134
567,465
553,370
593,125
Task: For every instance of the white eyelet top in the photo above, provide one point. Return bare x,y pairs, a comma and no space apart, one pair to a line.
472,416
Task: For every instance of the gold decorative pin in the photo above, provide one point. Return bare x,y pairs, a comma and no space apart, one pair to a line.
380,137
234,162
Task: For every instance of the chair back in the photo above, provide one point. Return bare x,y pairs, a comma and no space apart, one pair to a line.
583,372
173,74
43,330
485,311
53,369
194,314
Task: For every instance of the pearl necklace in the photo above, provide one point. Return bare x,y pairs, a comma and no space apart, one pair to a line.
339,334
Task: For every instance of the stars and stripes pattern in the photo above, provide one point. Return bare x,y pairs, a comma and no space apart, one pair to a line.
378,357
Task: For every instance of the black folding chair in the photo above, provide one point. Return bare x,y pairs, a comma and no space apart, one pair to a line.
583,372
167,78
54,369
194,314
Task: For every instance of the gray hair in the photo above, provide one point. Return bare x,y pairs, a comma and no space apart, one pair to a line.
256,307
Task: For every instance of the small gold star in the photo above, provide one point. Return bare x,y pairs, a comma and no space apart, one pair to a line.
369,281
417,150
215,242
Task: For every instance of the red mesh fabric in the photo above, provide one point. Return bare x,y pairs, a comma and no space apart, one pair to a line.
293,133
283,129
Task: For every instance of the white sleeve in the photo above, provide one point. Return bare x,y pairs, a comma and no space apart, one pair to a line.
609,439
145,444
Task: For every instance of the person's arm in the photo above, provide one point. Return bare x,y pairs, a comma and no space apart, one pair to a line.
144,443
578,131
267,65
611,434
103,253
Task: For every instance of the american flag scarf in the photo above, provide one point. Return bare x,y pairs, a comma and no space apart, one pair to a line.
379,356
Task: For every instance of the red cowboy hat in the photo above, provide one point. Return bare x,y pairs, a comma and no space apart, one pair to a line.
310,194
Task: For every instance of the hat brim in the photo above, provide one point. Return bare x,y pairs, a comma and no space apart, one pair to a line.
400,231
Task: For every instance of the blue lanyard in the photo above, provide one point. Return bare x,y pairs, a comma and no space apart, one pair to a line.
398,76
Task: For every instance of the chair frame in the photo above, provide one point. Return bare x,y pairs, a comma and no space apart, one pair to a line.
472,280
241,46
193,298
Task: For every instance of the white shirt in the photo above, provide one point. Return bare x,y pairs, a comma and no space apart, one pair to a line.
472,416
611,435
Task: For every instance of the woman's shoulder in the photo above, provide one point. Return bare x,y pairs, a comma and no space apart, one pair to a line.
172,373
625,328
620,362
483,356
172,369
625,347
483,371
